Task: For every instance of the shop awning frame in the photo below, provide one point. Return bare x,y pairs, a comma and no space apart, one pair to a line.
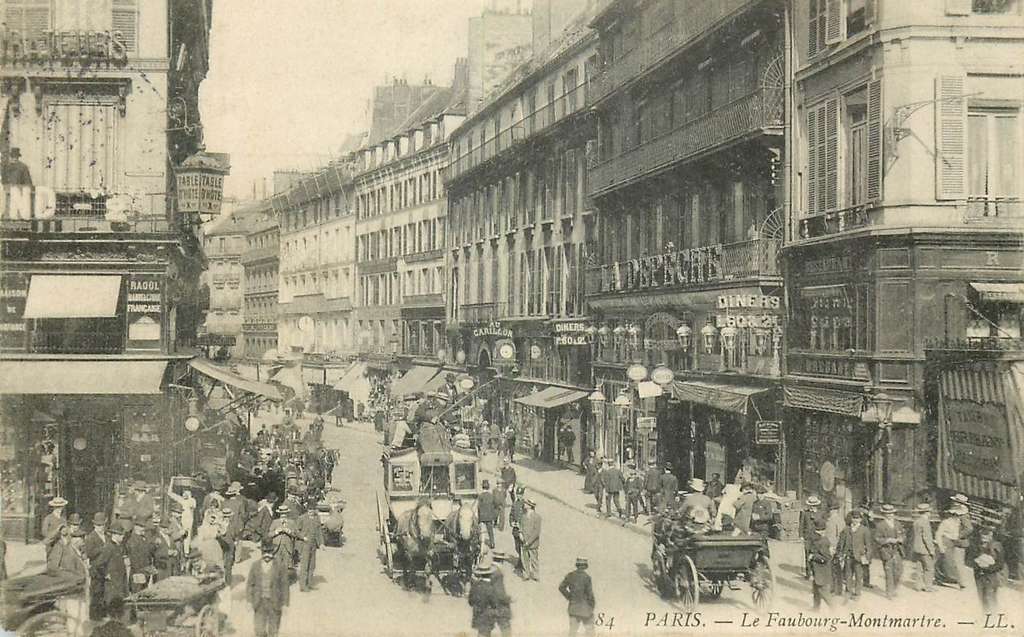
82,377
414,380
65,296
226,377
551,397
999,292
833,401
724,396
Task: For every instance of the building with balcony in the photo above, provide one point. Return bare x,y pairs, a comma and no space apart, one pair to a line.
224,240
520,231
99,273
317,262
906,225
260,259
684,285
401,213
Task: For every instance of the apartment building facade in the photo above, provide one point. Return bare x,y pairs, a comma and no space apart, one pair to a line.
260,274
906,228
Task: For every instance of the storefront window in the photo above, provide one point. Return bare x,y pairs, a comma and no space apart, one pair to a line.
833,318
14,469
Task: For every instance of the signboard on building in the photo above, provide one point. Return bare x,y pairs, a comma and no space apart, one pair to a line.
200,183
13,292
693,266
768,432
646,423
144,310
68,48
493,329
978,439
571,334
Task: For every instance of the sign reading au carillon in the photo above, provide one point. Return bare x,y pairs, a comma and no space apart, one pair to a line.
200,181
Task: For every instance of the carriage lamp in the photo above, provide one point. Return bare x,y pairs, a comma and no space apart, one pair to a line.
596,397
709,333
684,332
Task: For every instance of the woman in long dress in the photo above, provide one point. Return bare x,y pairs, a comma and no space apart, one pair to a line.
207,543
947,539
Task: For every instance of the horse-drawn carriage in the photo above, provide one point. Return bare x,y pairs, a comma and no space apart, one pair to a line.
685,566
43,603
427,516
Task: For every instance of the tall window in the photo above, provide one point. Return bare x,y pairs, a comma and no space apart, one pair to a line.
856,147
994,154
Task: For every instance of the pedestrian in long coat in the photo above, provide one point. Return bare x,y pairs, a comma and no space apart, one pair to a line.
487,511
94,543
166,552
577,588
852,552
985,555
112,563
668,485
947,540
821,568
500,492
515,518
888,538
266,589
311,538
140,551
923,546
652,484
745,508
531,540
53,522
483,600
589,472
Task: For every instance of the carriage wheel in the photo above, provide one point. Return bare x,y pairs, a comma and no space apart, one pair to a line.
385,540
686,583
208,622
715,590
52,622
762,585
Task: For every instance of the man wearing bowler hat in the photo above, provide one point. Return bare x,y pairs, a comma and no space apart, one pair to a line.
266,588
577,588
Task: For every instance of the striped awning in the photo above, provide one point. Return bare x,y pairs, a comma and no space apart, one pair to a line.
981,429
833,401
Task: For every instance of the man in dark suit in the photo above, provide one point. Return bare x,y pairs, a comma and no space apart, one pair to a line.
614,483
140,551
310,540
500,493
258,526
821,567
853,551
166,552
889,544
487,511
96,540
579,590
985,555
715,487
515,519
111,563
508,475
531,541
668,485
266,588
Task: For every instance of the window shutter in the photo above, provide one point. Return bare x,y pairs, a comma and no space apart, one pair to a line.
833,21
812,28
125,20
812,160
832,154
30,18
958,7
874,141
950,136
870,12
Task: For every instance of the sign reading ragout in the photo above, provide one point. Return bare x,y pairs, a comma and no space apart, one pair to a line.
979,439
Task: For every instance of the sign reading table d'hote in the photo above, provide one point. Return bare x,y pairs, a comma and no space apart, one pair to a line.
571,334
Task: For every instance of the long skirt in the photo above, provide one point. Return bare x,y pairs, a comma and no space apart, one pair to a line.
947,568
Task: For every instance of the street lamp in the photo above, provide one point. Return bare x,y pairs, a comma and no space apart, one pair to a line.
883,404
623,403
597,401
709,333
684,333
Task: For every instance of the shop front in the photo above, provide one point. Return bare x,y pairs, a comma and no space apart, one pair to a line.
547,414
82,430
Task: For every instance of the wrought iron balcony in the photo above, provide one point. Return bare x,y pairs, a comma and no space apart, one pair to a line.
759,111
85,225
694,19
995,208
691,268
827,223
423,300
478,312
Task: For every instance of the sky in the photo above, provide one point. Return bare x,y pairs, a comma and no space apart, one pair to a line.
289,79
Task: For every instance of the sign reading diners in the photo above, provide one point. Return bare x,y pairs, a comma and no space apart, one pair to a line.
67,48
571,334
680,267
493,329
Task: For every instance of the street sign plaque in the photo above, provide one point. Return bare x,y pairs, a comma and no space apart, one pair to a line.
768,432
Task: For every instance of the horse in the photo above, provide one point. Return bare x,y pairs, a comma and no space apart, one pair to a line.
462,531
414,534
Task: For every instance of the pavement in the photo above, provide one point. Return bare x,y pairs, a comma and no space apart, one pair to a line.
355,596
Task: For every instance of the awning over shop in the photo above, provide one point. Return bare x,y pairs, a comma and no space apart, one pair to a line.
59,296
903,415
648,389
97,377
734,398
234,380
1004,292
435,383
551,397
354,373
413,381
833,401
981,429
291,377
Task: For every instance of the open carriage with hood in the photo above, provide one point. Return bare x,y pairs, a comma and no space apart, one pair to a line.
427,513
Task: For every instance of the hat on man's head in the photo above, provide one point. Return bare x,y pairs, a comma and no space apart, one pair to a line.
696,484
99,518
923,507
530,503
74,518
581,562
139,485
819,525
888,509
961,509
813,501
226,512
123,527
235,488
959,497
58,502
483,571
284,508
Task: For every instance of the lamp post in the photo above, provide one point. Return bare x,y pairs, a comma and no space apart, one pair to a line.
597,401
883,404
623,402
394,342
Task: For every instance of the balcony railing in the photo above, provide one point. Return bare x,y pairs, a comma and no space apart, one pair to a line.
87,224
532,124
693,20
977,344
826,223
748,115
995,208
478,312
691,268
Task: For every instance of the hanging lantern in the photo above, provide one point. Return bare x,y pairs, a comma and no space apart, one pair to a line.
709,333
460,357
622,401
684,332
634,335
619,333
729,338
761,340
604,333
591,333
200,183
597,396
